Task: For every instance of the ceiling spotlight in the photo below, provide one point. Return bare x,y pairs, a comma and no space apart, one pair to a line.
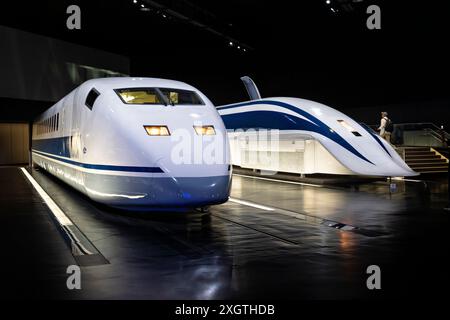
328,2
164,15
239,47
244,49
134,1
231,43
142,6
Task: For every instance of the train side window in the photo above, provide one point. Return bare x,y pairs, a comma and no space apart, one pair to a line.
91,97
57,121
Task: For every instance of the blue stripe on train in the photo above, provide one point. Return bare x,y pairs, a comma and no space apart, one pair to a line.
59,147
377,139
279,120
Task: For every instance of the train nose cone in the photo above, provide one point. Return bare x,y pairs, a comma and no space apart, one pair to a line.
197,191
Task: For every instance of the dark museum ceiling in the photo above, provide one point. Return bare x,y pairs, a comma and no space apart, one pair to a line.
296,48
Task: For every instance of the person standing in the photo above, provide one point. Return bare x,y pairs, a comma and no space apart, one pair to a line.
385,127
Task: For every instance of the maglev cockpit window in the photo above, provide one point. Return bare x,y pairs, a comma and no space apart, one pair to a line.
158,96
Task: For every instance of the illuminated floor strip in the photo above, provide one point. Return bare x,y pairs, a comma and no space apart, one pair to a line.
251,204
57,212
408,180
67,226
310,218
278,180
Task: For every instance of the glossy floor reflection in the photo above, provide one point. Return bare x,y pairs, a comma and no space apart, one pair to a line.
240,251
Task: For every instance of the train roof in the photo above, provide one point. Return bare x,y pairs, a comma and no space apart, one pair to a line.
133,82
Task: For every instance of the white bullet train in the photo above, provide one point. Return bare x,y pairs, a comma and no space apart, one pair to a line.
126,143
312,138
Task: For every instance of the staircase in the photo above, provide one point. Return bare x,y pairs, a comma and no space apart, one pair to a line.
425,160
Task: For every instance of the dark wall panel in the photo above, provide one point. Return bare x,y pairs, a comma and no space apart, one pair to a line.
35,67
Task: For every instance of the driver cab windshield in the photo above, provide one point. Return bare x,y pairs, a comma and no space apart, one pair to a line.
158,96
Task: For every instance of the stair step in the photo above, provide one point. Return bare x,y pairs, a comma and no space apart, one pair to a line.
418,152
425,161
431,165
435,161
431,171
443,169
426,155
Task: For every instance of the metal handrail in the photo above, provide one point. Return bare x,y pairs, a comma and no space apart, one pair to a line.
418,126
430,129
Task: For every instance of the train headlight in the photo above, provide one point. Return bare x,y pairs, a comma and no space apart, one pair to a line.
205,130
157,130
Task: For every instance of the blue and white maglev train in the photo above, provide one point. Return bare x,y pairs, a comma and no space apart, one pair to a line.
112,139
313,138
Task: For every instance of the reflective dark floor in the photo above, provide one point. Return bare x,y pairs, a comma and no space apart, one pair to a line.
275,244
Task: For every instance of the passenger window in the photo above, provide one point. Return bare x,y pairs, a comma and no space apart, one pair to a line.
91,97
